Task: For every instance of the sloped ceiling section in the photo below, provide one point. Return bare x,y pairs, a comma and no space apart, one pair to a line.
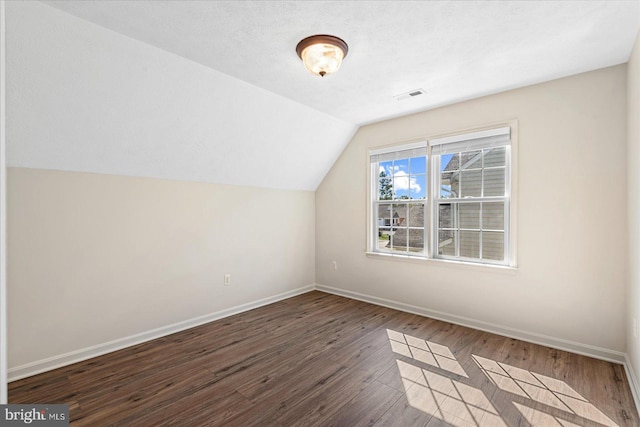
84,98
213,90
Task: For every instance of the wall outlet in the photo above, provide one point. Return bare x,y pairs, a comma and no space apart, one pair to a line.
335,265
227,279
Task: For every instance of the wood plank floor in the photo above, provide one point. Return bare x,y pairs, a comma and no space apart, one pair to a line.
322,360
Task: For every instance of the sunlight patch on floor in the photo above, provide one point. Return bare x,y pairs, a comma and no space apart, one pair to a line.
539,418
425,351
436,384
544,390
446,399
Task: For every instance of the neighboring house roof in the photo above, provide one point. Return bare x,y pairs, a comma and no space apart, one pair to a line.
458,159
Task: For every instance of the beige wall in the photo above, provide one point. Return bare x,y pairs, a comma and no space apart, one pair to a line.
571,227
633,192
95,258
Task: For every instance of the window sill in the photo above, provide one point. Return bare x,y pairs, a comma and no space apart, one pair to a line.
443,262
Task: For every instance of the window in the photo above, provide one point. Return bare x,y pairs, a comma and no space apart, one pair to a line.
399,206
446,198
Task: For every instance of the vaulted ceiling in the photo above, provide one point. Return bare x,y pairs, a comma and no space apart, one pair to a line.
452,50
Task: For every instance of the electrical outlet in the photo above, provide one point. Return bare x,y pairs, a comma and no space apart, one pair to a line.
227,279
335,265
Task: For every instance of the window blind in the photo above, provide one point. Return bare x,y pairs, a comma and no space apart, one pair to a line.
397,153
471,141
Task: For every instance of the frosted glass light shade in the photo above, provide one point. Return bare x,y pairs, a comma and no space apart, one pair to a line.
322,54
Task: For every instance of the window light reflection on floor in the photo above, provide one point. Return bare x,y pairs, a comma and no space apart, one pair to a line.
542,389
435,382
539,418
425,351
447,399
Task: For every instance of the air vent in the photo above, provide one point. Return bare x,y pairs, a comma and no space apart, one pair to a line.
411,94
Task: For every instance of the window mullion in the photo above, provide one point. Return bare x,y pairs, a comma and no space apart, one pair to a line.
507,236
458,226
481,237
431,223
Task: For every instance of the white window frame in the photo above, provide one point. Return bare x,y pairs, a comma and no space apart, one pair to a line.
431,202
412,149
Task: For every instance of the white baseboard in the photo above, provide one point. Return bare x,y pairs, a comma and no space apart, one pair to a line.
59,361
549,341
55,362
633,382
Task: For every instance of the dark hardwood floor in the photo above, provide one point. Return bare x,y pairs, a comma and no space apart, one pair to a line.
319,359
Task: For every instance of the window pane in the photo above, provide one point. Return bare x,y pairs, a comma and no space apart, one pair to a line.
471,160
448,186
383,226
471,183
446,217
399,239
493,245
416,240
449,162
418,186
494,157
384,241
385,188
399,215
384,216
401,165
392,219
401,185
386,167
446,243
470,244
418,165
469,215
416,215
493,216
494,182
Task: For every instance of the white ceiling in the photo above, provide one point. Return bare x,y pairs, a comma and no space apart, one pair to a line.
214,92
454,50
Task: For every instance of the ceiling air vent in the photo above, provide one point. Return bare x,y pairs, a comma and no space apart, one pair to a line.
411,94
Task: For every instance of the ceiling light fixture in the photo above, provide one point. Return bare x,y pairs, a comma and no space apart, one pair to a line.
322,54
